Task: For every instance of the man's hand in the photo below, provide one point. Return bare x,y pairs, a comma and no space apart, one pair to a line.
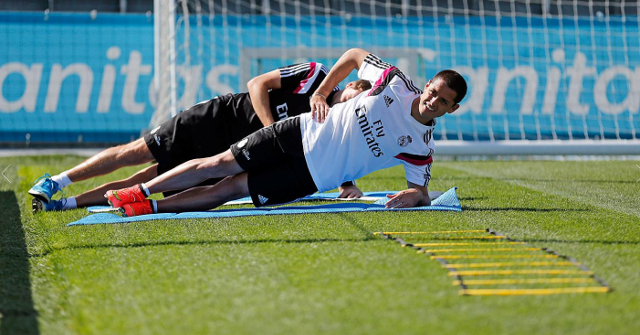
350,192
319,107
405,199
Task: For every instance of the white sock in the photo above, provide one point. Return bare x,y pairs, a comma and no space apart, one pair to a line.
62,180
154,205
71,204
145,190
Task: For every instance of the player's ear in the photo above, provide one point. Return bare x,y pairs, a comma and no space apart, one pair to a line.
350,84
454,108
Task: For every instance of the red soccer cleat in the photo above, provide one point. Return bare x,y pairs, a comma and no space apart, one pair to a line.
117,198
137,208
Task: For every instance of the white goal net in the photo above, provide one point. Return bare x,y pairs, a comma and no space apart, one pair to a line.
545,77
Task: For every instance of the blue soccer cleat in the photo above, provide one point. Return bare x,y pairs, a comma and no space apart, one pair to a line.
38,205
44,188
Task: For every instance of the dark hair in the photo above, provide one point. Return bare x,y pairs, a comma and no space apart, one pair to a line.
362,84
455,81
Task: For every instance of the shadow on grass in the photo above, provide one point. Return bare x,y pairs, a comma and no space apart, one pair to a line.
16,303
541,180
212,242
521,209
471,198
590,181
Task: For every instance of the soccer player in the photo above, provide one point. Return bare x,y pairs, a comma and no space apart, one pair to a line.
390,124
204,130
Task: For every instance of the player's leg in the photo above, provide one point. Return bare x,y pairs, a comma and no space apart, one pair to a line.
206,197
194,172
108,160
194,199
172,143
262,149
183,176
276,184
94,197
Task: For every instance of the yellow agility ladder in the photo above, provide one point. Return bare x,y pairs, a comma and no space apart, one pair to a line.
514,267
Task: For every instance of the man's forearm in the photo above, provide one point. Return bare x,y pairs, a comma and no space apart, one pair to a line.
260,102
259,93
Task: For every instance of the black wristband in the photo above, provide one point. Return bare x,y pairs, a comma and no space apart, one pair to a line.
349,183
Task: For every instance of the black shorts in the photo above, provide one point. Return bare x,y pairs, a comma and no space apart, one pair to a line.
274,160
204,130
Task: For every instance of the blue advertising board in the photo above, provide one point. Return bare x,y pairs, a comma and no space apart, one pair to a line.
76,78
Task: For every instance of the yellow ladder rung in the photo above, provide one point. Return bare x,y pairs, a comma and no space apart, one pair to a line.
481,249
471,282
497,265
518,272
430,232
491,256
535,291
442,244
473,238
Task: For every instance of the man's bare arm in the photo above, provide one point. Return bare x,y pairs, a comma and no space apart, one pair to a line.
259,92
349,61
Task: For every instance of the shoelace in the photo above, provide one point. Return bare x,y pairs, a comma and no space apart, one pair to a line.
44,176
54,185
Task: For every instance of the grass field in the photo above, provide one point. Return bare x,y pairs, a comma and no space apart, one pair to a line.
328,273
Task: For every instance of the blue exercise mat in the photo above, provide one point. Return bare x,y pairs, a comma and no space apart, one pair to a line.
446,202
380,196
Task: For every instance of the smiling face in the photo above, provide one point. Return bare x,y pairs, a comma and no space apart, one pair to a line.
437,100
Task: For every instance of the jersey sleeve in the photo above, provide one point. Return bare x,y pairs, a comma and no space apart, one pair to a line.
417,168
303,78
373,68
382,74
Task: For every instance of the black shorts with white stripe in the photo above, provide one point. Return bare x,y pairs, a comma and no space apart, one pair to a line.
274,159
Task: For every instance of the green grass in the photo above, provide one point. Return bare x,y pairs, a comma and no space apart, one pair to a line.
324,273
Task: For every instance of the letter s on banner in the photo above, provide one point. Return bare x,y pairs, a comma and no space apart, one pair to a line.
213,79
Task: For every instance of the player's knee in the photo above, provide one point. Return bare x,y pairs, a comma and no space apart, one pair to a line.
134,153
218,164
238,186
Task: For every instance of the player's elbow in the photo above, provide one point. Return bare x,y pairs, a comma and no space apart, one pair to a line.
356,56
251,84
357,52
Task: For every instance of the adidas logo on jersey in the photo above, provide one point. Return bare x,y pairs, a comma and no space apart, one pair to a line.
388,101
262,199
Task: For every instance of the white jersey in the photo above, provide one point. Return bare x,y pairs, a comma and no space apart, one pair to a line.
372,131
